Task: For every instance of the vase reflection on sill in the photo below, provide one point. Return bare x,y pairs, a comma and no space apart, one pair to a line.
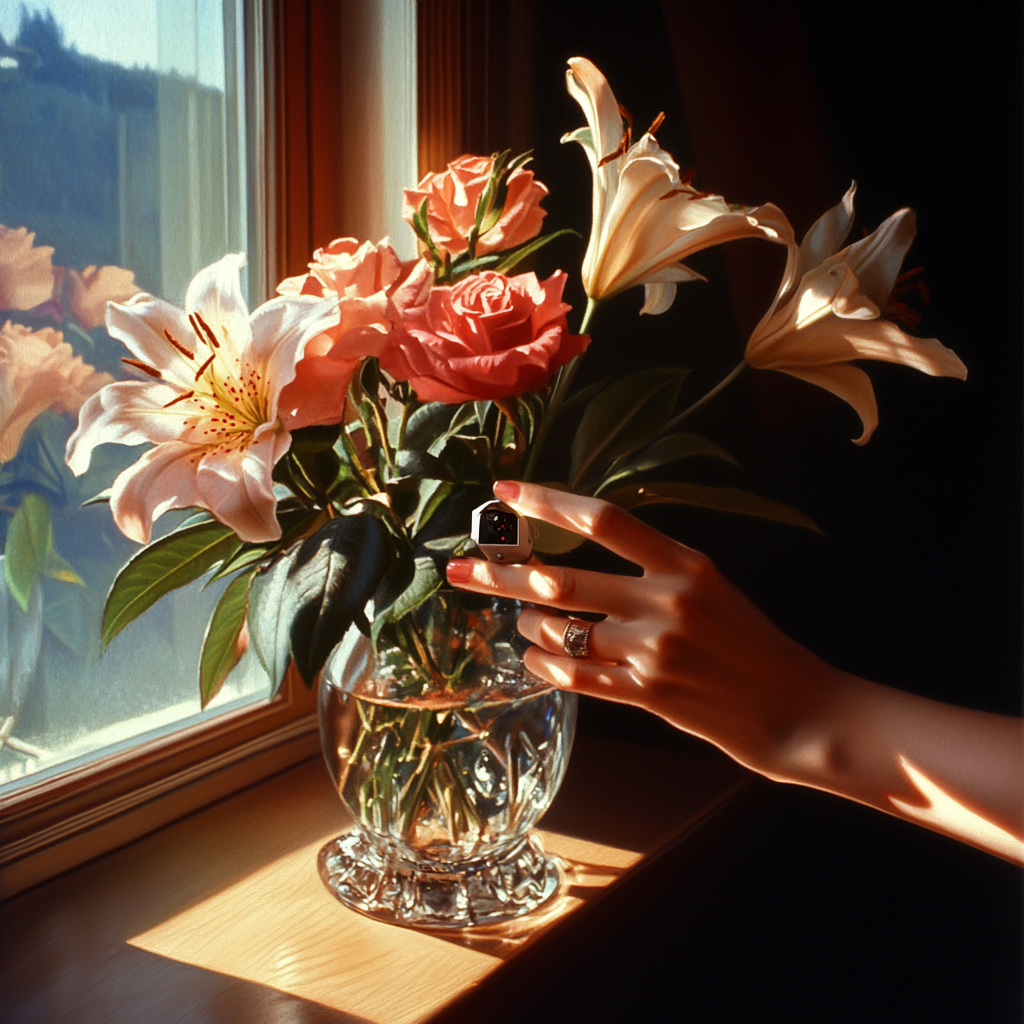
444,772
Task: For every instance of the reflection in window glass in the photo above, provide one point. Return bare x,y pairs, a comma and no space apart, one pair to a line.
122,168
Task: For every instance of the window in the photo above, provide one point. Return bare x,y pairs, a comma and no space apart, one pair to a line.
156,136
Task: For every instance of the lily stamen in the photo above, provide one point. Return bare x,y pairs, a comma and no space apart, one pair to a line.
627,137
657,123
209,333
178,345
195,328
180,398
145,368
202,369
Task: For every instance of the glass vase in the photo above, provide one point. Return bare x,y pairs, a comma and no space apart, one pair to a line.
446,751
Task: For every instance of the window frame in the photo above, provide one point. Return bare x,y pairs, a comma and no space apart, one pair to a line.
60,822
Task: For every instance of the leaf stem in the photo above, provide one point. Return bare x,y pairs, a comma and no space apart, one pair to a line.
563,381
701,402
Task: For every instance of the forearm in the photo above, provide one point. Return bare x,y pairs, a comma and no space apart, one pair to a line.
957,771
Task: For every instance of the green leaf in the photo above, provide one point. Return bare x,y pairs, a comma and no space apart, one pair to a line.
665,449
334,574
163,566
58,569
515,256
425,581
624,417
29,540
721,499
220,645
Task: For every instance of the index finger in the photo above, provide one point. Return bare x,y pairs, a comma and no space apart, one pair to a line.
601,521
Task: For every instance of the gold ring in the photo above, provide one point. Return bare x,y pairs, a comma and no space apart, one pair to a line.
576,638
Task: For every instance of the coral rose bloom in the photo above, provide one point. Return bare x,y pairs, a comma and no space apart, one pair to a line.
359,275
38,369
453,194
26,274
487,337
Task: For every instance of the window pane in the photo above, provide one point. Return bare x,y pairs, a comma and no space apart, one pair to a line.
124,165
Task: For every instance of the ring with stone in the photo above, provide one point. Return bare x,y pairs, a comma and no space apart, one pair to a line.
576,638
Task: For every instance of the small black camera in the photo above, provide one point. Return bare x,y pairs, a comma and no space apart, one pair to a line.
500,533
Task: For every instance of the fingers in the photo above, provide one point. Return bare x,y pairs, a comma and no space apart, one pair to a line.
612,682
552,585
548,632
609,525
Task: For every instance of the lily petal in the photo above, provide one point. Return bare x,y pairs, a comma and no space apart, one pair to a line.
162,479
140,325
239,486
125,412
850,384
216,292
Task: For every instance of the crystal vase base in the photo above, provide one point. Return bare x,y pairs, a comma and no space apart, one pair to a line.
370,877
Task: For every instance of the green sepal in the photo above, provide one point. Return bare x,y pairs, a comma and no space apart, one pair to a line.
510,259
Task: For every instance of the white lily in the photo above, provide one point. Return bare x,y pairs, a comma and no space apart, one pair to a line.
829,309
645,219
211,407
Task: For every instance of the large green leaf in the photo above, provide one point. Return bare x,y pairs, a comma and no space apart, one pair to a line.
510,259
665,449
426,579
624,417
220,645
334,574
721,499
29,538
163,566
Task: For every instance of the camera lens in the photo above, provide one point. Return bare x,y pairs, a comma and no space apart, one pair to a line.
500,527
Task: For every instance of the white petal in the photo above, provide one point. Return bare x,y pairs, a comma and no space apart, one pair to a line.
280,330
876,260
827,234
140,324
162,479
216,293
236,486
128,412
851,385
658,297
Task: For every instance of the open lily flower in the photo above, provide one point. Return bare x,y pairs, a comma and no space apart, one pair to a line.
829,311
645,219
210,406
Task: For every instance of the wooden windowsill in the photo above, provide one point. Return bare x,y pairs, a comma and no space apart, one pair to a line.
221,916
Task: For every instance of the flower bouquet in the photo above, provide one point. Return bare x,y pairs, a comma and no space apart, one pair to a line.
335,441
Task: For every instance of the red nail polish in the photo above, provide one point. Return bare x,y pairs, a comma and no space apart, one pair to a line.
506,490
459,570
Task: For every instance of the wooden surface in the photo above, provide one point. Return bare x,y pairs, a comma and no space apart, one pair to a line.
221,916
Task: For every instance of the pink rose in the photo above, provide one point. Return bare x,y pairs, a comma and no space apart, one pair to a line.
451,206
26,274
87,293
360,276
487,337
39,370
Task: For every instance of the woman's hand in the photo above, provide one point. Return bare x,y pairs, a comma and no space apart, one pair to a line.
685,644
679,641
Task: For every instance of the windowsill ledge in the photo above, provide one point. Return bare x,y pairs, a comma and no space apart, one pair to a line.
221,916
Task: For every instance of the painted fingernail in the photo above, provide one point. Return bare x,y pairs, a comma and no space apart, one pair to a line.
507,490
459,570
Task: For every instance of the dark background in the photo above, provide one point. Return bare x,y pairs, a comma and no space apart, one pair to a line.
819,909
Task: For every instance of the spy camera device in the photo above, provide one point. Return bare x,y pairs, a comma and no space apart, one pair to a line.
501,534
